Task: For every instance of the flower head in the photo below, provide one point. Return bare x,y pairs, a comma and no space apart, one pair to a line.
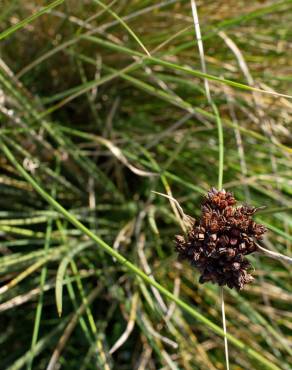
218,243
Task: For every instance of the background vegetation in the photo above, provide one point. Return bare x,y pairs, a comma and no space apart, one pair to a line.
99,125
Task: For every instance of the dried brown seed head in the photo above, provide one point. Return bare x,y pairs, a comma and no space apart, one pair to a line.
221,239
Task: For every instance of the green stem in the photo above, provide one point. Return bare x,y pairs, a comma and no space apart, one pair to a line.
42,284
133,268
165,63
29,19
221,146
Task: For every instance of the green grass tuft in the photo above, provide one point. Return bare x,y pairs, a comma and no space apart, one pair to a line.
102,104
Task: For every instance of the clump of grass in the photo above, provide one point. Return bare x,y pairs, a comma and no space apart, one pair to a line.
91,125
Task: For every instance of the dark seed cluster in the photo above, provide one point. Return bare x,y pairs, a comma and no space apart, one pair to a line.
218,243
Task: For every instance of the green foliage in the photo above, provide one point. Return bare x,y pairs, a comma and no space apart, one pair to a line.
102,103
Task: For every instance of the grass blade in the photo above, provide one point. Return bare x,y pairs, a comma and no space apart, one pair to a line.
29,19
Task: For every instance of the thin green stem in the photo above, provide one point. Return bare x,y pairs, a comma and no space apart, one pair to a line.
41,297
124,24
224,327
221,146
42,282
29,19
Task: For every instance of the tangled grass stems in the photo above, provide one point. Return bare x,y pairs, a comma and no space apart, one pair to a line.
173,135
130,266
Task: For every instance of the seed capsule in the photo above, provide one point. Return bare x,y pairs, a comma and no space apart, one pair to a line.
233,241
235,266
230,252
201,236
213,237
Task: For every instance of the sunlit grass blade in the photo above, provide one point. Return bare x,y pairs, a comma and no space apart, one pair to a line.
29,19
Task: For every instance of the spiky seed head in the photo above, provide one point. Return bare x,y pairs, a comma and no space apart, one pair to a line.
221,239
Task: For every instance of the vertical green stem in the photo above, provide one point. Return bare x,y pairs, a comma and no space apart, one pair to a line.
221,146
42,284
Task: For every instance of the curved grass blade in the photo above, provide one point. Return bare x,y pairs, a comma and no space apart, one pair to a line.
124,24
29,19
61,273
